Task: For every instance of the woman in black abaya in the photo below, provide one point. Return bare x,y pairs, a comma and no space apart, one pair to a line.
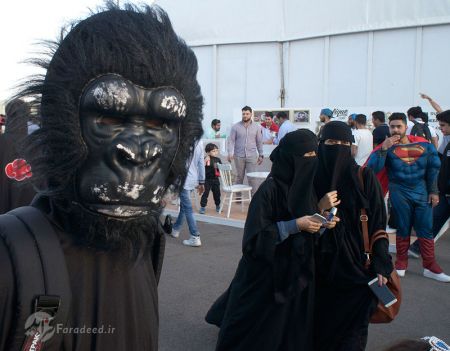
12,193
344,302
269,304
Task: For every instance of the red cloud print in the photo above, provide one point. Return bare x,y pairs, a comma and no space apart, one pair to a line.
18,169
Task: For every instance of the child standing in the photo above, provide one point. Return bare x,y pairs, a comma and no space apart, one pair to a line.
212,177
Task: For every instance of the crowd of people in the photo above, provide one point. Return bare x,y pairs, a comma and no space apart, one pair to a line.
312,174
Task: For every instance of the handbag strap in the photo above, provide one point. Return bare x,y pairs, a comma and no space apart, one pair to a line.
380,234
364,219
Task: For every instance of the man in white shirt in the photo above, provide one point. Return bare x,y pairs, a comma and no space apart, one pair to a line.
363,144
286,126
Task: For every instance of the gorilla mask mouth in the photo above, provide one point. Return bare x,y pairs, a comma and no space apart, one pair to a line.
124,201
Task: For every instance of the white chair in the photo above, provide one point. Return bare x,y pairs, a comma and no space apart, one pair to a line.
229,188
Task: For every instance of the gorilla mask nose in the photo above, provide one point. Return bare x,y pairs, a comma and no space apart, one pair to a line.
134,154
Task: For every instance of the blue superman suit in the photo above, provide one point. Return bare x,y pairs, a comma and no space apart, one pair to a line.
412,171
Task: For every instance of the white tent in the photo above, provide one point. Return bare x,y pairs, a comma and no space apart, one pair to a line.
350,55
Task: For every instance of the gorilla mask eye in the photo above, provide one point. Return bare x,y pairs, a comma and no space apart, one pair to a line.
168,103
154,123
109,120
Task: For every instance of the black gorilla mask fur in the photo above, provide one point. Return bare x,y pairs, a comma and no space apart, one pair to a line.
120,112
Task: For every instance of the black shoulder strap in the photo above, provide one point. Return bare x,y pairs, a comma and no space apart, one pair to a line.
415,128
427,131
39,267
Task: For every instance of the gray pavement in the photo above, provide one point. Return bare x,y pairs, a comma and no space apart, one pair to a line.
193,278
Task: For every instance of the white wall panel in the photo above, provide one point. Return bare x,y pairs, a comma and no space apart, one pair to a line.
435,68
348,70
246,75
263,75
394,59
304,83
352,73
231,80
205,78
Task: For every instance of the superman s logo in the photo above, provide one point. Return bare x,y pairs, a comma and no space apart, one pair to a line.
409,153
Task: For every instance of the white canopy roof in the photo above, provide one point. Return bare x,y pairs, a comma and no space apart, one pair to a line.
204,22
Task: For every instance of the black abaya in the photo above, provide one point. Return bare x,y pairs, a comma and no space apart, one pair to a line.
269,304
344,302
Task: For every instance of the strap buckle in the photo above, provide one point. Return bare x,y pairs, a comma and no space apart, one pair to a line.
48,304
364,218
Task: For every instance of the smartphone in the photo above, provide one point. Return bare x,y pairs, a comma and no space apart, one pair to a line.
319,218
332,213
384,295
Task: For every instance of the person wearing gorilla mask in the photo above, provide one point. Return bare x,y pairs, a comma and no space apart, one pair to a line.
344,302
120,113
269,304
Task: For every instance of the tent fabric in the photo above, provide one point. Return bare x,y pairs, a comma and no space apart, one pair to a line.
232,21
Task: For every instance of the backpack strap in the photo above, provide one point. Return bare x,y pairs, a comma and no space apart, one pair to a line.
42,280
421,128
29,278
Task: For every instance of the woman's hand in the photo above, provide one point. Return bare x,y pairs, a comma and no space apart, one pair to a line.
329,200
331,224
308,224
381,280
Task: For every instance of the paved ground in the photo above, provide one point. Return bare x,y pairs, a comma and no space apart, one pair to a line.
193,278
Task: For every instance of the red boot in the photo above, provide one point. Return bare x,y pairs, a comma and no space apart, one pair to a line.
431,268
402,246
427,251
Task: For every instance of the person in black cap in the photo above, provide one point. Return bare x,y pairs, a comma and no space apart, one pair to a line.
344,302
269,304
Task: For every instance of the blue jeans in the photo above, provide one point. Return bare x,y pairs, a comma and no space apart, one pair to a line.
186,211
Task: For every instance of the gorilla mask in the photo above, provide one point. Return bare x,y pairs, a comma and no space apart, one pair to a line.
132,135
120,111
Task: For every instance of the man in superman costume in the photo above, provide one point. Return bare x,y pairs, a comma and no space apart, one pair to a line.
408,167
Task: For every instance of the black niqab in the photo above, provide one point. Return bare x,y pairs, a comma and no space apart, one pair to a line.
337,169
292,171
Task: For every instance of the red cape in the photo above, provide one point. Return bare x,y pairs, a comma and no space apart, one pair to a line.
382,175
